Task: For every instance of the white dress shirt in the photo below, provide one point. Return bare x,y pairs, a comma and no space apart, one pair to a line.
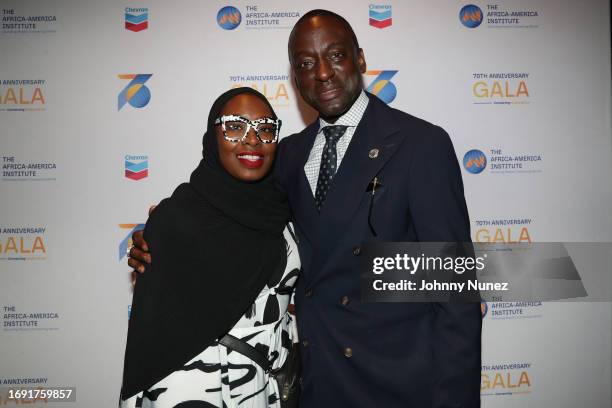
351,119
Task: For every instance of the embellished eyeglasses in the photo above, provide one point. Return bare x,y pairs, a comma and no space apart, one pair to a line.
235,128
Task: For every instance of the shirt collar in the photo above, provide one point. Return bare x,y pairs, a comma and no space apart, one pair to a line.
352,117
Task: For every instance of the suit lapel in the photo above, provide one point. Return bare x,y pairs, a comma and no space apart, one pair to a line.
376,130
301,198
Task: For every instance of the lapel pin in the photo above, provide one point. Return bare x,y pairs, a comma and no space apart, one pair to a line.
374,184
373,154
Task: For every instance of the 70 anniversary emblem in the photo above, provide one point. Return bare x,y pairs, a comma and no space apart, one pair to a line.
135,93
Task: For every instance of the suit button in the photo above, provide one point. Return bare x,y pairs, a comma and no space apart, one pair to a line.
305,343
348,352
345,300
308,292
356,250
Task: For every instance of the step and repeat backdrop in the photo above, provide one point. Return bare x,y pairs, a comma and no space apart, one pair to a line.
102,110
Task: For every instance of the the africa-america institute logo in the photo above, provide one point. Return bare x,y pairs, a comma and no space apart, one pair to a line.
475,161
470,16
484,308
229,18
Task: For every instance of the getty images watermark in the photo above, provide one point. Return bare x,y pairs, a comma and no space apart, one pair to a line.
471,272
411,264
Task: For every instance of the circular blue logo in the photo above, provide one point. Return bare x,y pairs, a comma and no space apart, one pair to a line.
475,161
139,96
388,93
470,16
484,308
229,18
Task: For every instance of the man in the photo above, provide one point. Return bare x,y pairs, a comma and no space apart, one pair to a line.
358,354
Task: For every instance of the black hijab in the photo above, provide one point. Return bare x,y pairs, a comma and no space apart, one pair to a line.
214,245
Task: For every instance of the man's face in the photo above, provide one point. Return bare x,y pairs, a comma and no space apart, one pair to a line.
327,66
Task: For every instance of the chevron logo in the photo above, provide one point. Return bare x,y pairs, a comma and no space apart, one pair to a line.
380,16
136,167
136,19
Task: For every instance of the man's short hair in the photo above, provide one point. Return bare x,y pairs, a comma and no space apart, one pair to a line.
325,13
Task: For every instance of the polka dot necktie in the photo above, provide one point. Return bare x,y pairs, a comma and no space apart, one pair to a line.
328,162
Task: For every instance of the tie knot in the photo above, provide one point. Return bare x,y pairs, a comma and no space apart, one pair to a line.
333,133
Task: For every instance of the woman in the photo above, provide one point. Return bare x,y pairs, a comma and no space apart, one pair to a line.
238,275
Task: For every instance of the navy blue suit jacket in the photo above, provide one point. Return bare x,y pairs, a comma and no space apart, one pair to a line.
380,354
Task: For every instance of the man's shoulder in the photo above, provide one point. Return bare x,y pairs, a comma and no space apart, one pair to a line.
291,141
410,120
417,129
302,133
290,151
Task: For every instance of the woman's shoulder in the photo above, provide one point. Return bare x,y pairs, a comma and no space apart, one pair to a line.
180,212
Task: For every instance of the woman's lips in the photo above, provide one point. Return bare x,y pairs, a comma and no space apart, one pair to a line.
251,160
330,94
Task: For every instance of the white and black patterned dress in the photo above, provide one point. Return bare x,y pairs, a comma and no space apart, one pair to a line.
219,377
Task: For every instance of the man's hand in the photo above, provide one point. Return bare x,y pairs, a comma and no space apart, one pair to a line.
139,253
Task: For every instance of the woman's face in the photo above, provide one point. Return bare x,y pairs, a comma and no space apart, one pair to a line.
249,159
